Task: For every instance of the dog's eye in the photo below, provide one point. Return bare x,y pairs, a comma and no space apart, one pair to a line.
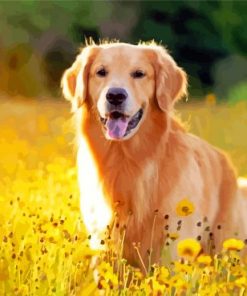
101,73
138,74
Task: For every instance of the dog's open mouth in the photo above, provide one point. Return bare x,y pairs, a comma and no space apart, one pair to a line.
118,125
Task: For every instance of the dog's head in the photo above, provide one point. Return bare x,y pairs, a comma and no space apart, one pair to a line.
122,82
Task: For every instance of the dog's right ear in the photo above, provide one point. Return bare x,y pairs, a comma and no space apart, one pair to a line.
75,79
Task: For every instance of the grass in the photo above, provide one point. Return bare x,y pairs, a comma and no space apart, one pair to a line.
43,245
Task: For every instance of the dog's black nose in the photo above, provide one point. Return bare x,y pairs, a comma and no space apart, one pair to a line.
116,96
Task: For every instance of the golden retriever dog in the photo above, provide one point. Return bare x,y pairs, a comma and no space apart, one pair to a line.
136,161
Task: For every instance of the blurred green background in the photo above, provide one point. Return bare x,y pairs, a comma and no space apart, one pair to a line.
39,39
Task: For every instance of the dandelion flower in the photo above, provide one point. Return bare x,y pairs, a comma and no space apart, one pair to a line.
233,244
163,273
188,248
180,268
184,208
158,288
204,259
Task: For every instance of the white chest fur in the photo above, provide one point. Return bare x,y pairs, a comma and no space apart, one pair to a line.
94,208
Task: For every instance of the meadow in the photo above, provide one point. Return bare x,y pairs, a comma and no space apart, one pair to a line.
43,245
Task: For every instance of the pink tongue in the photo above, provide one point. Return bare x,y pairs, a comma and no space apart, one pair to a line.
116,128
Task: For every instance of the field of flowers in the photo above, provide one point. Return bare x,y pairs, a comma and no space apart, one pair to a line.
43,245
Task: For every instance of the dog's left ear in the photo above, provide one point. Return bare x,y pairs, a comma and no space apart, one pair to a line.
75,79
171,80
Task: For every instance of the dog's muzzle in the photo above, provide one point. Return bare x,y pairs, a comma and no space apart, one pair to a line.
118,125
117,122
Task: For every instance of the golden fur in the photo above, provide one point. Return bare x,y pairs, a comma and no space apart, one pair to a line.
146,175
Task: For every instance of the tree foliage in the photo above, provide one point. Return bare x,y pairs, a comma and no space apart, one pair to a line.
199,34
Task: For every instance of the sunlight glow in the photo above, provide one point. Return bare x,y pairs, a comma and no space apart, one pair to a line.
242,183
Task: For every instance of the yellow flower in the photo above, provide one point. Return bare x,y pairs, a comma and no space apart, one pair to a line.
188,248
233,244
204,259
178,282
157,287
184,207
104,267
180,268
153,287
23,290
139,275
173,235
163,274
242,281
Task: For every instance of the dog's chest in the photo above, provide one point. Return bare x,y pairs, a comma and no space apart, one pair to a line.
121,187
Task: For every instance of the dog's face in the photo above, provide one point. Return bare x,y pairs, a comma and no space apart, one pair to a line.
121,81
